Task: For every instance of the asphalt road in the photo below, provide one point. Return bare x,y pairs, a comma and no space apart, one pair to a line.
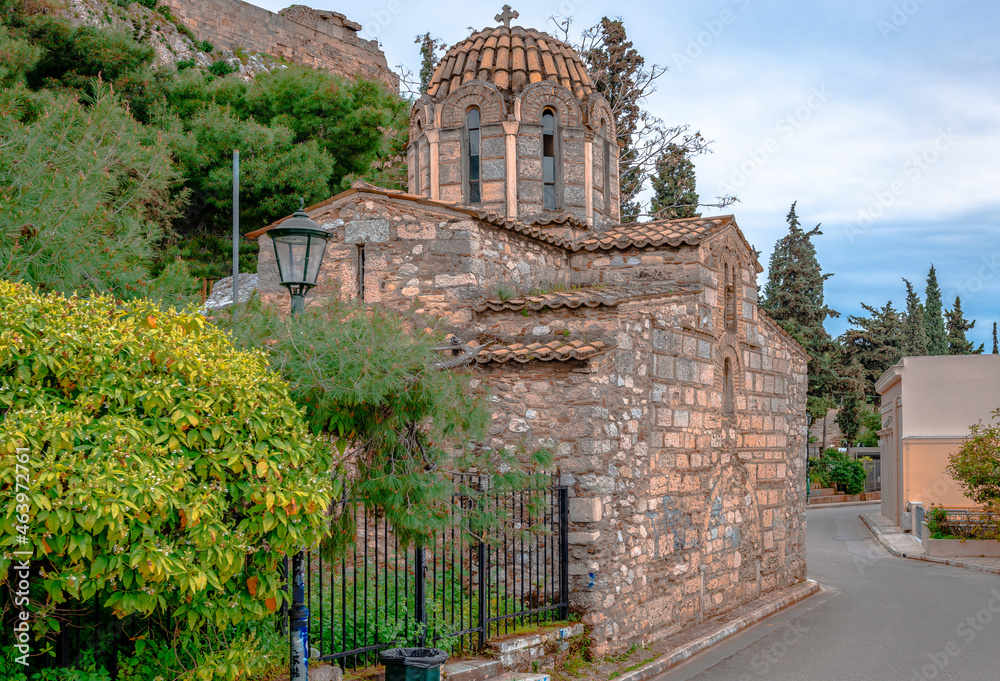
879,618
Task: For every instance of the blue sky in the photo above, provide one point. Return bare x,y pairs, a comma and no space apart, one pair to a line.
881,118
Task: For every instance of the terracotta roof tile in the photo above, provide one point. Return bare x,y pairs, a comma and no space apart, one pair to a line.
691,231
558,350
610,296
510,59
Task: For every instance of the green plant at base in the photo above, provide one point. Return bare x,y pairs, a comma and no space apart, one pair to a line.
205,46
222,68
163,461
976,464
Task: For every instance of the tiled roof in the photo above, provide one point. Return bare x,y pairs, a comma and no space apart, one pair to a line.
557,350
588,297
691,231
510,59
559,218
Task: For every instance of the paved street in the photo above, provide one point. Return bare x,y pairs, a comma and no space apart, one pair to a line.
880,618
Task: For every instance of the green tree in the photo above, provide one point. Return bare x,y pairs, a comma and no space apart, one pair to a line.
674,182
162,461
976,464
851,415
875,342
429,48
937,337
914,341
793,297
86,197
957,325
620,74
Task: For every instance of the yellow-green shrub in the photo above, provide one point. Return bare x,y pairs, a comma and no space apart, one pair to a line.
169,471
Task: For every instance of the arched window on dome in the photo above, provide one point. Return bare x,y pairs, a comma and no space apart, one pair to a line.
550,158
474,192
730,299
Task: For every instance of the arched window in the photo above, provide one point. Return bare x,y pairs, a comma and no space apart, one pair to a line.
550,152
416,158
730,296
607,169
728,403
472,155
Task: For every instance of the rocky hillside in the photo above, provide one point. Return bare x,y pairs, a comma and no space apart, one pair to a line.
175,45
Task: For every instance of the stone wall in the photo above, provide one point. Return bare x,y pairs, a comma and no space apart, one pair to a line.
415,259
680,510
321,39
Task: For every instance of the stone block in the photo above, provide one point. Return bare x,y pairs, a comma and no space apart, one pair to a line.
583,538
585,509
449,280
366,232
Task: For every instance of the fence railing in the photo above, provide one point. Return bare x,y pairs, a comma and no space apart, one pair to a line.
965,523
457,591
873,475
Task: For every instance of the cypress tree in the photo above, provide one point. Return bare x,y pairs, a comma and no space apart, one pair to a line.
914,335
937,337
996,347
429,47
793,296
674,194
852,412
957,325
875,342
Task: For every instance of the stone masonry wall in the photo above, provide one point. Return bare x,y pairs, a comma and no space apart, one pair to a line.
437,263
680,511
321,39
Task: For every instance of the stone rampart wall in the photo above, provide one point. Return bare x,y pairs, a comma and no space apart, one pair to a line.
321,39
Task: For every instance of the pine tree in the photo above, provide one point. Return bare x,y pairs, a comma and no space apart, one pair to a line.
793,296
996,347
429,47
937,337
875,342
674,194
914,335
957,325
853,410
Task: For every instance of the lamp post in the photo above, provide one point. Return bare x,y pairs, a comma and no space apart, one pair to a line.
299,246
809,423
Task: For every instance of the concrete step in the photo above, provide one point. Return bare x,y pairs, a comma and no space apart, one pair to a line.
472,670
524,677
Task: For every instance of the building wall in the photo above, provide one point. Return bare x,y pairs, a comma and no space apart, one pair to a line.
321,39
416,259
679,511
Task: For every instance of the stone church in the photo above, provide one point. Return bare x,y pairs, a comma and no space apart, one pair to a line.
636,352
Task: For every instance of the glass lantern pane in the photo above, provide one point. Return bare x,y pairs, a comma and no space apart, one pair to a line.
317,246
291,251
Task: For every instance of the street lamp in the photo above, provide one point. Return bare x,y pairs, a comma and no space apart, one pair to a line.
299,246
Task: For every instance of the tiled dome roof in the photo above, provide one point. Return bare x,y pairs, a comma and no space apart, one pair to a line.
510,59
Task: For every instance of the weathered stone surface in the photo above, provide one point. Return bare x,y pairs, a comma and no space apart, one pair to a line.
585,510
366,231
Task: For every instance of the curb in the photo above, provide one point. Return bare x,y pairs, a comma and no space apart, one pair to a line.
842,504
880,537
658,666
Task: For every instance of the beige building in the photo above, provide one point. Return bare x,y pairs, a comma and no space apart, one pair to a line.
928,404
635,352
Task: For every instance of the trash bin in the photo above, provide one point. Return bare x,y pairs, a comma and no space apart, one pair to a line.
413,664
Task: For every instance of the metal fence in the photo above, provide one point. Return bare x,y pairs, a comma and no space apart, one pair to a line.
456,592
965,523
873,475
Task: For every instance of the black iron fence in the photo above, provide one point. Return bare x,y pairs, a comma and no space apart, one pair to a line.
455,592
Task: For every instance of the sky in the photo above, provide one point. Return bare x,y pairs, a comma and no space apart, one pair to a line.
880,118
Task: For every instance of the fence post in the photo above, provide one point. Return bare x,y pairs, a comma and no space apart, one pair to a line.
484,591
298,621
564,551
420,593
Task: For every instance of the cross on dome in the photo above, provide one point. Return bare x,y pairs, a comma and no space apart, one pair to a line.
506,16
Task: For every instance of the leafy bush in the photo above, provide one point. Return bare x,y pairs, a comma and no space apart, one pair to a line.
170,472
183,64
835,468
222,68
205,46
976,464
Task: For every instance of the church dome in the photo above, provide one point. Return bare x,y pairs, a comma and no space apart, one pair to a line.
511,59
